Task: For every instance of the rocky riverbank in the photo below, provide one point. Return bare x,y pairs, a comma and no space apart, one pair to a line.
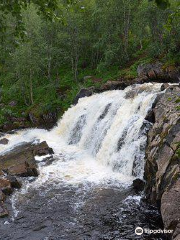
162,170
17,164
146,73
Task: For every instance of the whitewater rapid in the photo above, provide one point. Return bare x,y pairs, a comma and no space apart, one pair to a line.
101,139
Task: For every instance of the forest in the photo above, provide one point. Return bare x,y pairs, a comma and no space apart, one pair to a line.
89,119
49,52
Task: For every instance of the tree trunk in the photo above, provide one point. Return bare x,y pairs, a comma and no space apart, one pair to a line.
127,13
31,86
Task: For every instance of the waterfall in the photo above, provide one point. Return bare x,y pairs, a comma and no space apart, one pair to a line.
104,135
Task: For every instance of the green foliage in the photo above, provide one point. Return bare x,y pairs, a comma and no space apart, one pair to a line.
103,39
163,3
15,8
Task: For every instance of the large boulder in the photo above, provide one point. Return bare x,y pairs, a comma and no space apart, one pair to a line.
23,170
157,72
149,70
114,85
4,141
21,160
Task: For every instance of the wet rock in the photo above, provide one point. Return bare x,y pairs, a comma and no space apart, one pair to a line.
131,94
150,116
138,185
2,196
14,182
3,210
164,86
83,93
5,186
42,149
4,141
21,160
115,85
23,170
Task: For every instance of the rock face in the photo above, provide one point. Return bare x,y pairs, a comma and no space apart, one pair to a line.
138,185
46,120
83,93
4,141
162,170
156,71
19,162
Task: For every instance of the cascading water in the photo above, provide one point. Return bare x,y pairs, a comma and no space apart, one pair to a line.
98,144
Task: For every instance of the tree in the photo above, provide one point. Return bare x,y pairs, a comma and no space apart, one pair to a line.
45,8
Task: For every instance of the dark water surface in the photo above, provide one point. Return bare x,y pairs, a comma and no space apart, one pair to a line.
82,213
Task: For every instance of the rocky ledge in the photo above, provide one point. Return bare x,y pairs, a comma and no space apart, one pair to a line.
17,163
154,72
162,170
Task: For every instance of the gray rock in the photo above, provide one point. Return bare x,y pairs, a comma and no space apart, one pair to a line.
170,206
157,72
83,93
164,86
149,70
3,211
21,160
14,182
138,185
4,141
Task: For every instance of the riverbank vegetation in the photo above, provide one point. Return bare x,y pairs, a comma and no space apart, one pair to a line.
43,63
